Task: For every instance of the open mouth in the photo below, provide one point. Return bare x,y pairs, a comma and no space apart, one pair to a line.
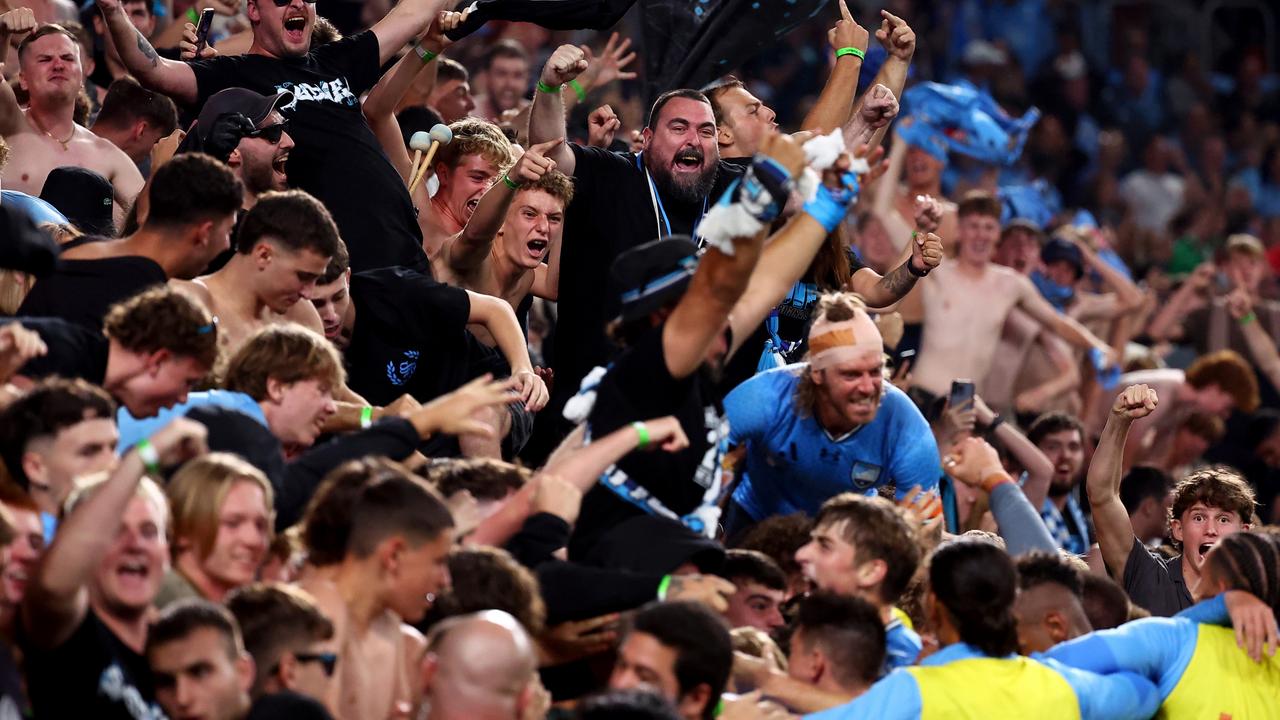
687,161
1205,548
295,27
278,164
133,570
537,247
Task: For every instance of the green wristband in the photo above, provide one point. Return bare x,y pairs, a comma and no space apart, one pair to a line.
856,52
510,183
662,587
149,456
643,431
548,88
366,416
425,54
192,15
1247,318
577,90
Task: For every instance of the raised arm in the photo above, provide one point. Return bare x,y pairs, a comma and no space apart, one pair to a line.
15,22
380,104
1064,327
582,465
58,597
975,463
1261,346
1110,519
469,250
405,21
546,115
1031,458
899,42
788,254
173,78
1167,324
835,104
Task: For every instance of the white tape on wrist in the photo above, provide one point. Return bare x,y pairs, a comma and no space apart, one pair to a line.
723,223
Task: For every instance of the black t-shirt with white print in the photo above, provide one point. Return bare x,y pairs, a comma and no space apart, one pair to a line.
637,387
612,211
336,157
91,675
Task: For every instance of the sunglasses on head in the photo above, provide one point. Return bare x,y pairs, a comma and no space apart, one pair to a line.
327,659
271,133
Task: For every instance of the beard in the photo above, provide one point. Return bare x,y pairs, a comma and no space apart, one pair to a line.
685,188
257,177
1058,489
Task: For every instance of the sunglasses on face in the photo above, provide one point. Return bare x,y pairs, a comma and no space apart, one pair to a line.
327,659
271,133
286,3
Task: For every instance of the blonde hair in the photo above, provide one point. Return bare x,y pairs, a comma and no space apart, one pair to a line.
473,136
148,490
196,494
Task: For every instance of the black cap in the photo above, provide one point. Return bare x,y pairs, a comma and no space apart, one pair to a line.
252,105
83,196
1056,249
650,276
655,545
25,246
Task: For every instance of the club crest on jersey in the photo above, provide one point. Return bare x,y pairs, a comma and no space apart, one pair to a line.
864,475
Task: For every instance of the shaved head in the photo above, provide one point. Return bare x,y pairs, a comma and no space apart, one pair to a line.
479,666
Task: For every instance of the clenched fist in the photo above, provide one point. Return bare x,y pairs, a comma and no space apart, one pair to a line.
878,107
565,64
1137,401
926,252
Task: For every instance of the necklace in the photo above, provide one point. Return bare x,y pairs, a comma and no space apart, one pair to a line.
48,134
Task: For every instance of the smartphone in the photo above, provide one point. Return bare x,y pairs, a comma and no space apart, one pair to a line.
903,367
961,394
202,29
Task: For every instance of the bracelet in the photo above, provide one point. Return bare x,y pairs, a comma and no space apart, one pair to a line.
577,90
366,417
149,456
856,52
192,15
1247,318
912,269
995,423
426,55
662,587
643,431
510,183
994,480
543,87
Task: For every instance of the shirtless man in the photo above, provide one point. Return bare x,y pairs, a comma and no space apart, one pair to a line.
44,136
966,304
524,214
395,560
284,244
465,168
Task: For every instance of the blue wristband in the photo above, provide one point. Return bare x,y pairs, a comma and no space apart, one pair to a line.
829,206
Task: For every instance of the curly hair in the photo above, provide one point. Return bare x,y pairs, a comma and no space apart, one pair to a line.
1231,373
1216,487
556,184
163,318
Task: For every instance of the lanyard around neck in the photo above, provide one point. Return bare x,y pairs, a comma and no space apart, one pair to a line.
661,222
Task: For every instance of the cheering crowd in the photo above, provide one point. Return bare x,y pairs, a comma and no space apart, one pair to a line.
512,360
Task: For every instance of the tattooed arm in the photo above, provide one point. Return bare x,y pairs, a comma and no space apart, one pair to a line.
175,79
883,292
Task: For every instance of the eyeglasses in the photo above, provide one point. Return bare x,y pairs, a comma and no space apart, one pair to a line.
271,133
327,659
